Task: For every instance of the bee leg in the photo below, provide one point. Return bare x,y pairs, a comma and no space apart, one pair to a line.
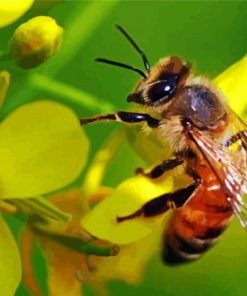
161,204
160,169
121,116
193,174
242,135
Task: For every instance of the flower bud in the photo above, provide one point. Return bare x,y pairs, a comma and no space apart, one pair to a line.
35,41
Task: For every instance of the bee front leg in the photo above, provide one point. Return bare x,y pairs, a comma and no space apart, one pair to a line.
160,169
126,117
162,203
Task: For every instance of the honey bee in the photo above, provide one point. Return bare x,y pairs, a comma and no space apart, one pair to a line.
207,138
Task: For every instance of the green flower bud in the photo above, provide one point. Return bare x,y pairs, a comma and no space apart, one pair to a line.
35,41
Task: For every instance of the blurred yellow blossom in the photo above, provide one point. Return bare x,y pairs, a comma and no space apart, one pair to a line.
232,82
42,148
35,41
69,269
11,10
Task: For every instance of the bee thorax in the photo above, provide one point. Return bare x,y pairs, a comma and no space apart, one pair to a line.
200,105
172,131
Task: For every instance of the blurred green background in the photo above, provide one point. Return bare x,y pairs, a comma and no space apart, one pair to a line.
212,34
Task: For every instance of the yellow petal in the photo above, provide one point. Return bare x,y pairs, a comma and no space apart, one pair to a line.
232,82
11,10
100,162
10,266
62,279
127,198
129,264
42,148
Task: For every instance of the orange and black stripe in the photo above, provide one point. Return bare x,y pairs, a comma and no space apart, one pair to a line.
196,226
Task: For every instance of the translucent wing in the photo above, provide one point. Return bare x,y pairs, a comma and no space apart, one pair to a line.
227,155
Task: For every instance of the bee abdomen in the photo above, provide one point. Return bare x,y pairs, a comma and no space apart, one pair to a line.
180,250
187,240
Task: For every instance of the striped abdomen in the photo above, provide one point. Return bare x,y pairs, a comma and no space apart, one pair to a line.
195,227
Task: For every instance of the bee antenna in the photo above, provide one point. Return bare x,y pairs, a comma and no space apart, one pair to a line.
118,64
144,58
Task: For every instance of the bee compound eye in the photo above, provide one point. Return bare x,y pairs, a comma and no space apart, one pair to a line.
164,89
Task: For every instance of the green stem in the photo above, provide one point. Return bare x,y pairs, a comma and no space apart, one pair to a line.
69,94
87,248
41,207
80,245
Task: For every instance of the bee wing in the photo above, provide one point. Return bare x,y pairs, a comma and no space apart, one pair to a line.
228,161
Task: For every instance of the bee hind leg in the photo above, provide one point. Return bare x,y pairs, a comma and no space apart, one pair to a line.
161,204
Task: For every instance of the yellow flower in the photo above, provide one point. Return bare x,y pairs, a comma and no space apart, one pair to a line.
66,268
11,10
232,83
35,41
42,149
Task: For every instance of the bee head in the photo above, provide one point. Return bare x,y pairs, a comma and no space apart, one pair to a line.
159,85
162,84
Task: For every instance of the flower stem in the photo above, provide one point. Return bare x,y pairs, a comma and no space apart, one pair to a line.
69,94
41,207
78,244
86,247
